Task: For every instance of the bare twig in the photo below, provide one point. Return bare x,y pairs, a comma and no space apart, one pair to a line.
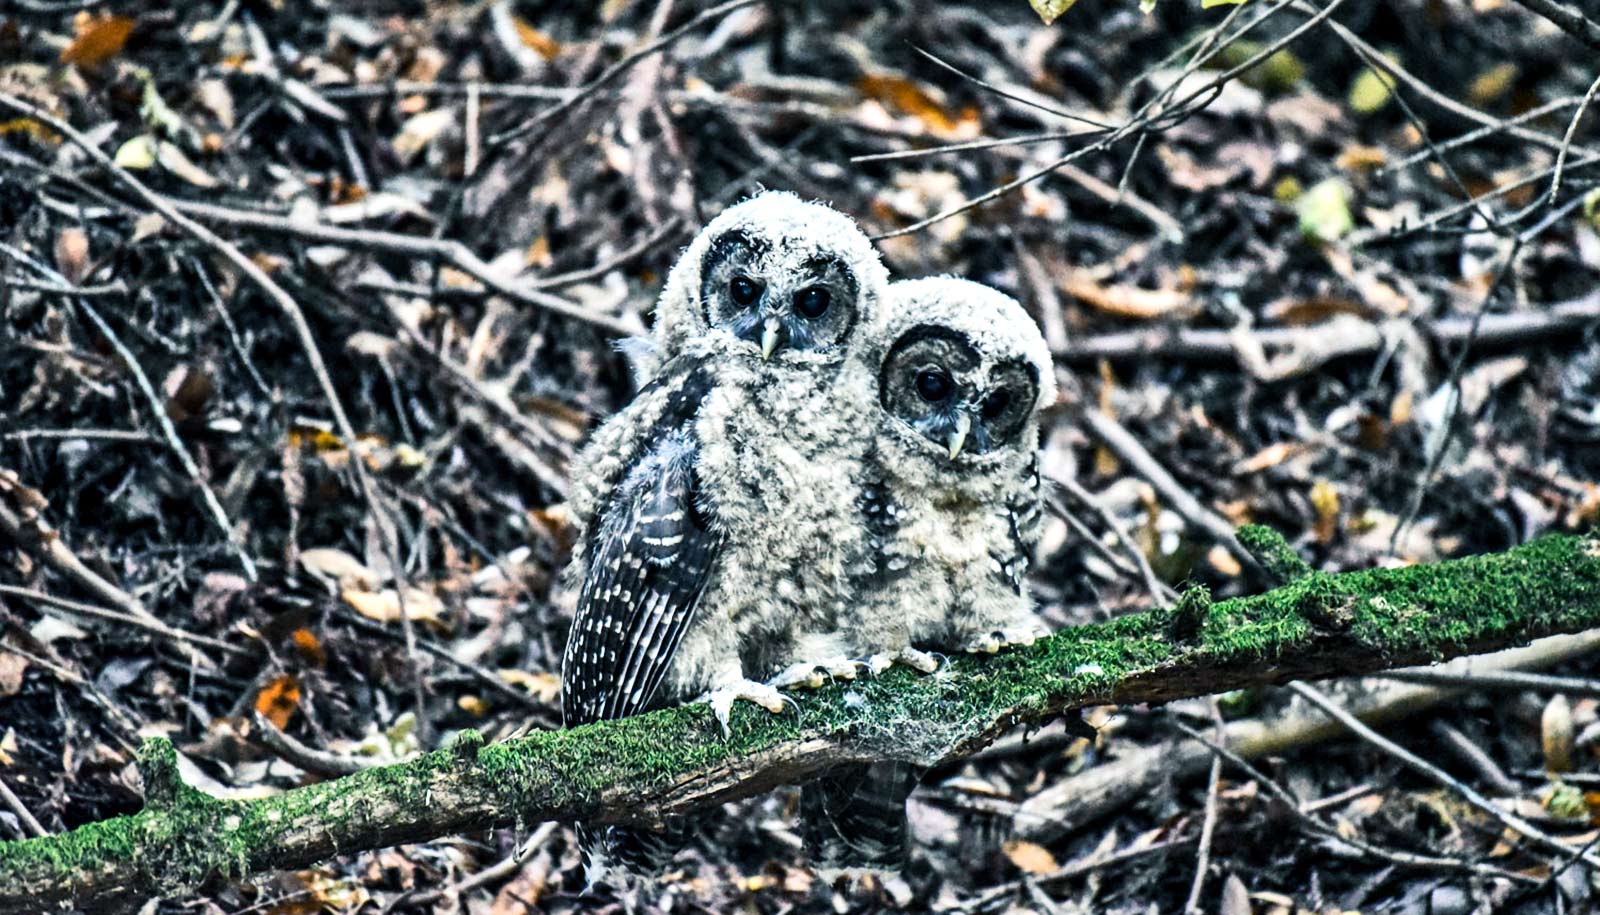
1569,20
615,70
1208,825
29,822
1505,818
317,762
1121,442
90,611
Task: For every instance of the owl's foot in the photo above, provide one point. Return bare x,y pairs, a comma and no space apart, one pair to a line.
761,694
814,674
921,661
993,641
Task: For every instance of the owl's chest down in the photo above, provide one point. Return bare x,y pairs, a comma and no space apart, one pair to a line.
783,473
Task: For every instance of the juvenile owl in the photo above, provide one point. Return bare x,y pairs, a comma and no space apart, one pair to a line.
954,497
953,505
717,511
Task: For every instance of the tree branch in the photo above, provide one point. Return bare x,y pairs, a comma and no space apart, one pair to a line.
674,761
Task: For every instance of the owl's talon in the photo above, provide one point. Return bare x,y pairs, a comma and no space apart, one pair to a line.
814,674
768,697
992,642
925,662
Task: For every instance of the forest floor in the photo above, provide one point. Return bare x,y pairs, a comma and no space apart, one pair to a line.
1350,291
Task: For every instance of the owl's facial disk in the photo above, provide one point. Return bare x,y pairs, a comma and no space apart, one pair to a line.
776,298
935,381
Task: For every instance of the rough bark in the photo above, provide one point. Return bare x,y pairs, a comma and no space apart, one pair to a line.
673,761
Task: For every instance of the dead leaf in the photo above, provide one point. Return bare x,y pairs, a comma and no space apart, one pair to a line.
99,40
1556,734
12,667
72,254
8,748
543,685
1325,499
537,41
279,699
384,606
1270,456
1124,300
309,646
339,567
908,98
421,129
1029,857
1235,897
1051,10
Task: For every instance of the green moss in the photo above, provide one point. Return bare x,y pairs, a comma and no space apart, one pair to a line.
1274,553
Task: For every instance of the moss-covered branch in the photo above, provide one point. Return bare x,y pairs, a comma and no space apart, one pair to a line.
1317,625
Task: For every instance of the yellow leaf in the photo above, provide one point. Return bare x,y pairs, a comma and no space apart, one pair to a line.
1208,4
473,705
98,41
1051,10
1030,858
278,700
1493,83
137,154
1325,499
1370,91
543,685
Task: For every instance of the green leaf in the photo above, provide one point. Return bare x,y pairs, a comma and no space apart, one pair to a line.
1050,10
1324,211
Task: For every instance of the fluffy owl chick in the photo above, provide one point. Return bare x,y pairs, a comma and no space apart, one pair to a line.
716,512
955,502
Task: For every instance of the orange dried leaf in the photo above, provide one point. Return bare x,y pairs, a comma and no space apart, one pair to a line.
279,699
309,646
1270,456
906,97
98,41
32,128
1029,857
537,41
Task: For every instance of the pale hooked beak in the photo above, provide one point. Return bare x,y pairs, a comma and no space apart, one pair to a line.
958,435
769,338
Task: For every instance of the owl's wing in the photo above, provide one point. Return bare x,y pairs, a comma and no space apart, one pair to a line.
648,562
1024,521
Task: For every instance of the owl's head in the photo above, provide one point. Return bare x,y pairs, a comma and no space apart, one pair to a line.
964,371
785,279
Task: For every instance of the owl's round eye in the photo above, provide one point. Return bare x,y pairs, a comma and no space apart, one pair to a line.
812,302
996,403
744,291
933,386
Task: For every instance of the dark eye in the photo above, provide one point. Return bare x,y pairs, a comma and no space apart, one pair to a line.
744,290
933,386
812,302
995,404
